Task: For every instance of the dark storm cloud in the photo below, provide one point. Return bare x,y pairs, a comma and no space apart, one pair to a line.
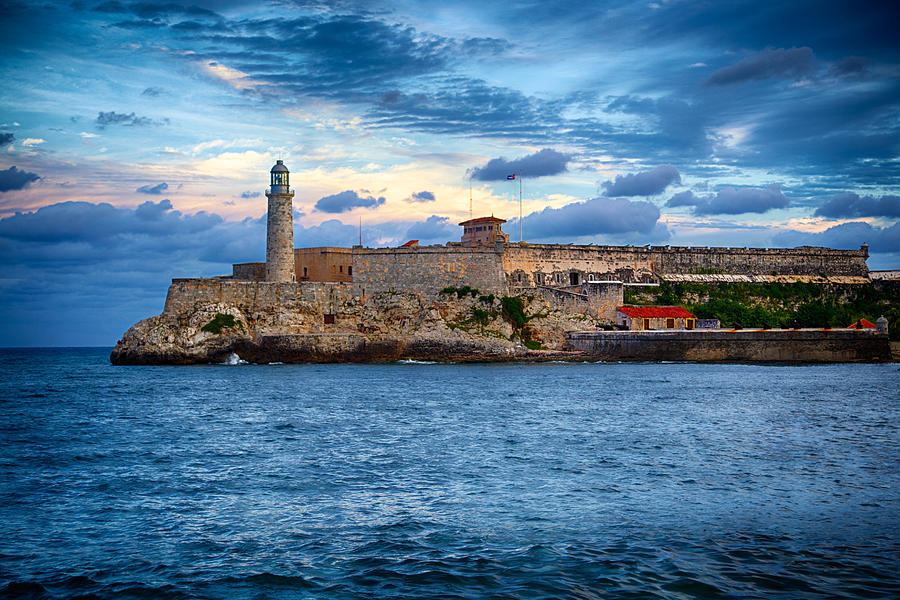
676,126
846,236
849,205
423,196
95,223
852,66
6,138
645,183
733,201
793,63
347,200
593,217
542,163
434,230
157,189
105,119
15,179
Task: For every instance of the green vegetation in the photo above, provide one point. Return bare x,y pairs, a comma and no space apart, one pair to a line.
460,292
489,299
481,316
220,322
776,304
513,308
514,311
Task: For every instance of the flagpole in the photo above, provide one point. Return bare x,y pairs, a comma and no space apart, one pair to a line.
521,224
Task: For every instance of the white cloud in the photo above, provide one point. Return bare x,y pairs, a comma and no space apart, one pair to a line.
32,142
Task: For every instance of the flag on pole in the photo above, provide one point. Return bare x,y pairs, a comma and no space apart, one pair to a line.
510,177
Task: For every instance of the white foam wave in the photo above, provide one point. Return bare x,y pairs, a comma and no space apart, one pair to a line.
234,359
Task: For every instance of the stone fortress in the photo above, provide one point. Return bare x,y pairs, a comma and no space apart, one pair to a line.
486,260
453,302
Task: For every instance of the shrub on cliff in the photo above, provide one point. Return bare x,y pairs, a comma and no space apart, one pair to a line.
460,292
220,322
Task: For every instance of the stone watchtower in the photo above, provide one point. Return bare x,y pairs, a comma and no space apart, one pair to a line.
280,227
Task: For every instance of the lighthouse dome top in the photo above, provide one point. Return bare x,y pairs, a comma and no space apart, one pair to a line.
279,178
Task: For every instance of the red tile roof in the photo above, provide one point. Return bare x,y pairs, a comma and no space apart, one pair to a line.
483,220
649,312
862,324
410,244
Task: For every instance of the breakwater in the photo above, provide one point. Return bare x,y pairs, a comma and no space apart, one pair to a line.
757,345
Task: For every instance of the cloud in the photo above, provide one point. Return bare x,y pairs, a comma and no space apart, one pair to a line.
14,179
153,92
541,163
645,183
793,63
347,200
105,119
32,142
593,217
433,230
846,236
87,222
850,205
423,196
733,201
157,189
852,66
6,138
250,194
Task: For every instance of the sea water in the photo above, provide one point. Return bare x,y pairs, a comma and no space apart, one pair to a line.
447,481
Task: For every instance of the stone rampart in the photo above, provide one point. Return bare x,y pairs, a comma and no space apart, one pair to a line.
428,269
254,271
185,295
559,265
774,345
805,260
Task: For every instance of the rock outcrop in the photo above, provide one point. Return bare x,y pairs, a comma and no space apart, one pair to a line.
209,320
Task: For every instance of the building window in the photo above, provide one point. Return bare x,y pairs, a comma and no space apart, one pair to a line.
342,268
329,319
690,323
573,278
646,324
350,270
670,323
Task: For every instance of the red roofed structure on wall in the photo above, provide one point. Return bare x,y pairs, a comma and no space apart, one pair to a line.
643,318
483,230
862,324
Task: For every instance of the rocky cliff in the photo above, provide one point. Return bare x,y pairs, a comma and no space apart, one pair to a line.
209,320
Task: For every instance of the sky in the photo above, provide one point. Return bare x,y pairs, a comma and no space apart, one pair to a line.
136,137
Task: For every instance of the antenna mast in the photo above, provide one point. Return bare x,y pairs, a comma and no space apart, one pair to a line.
470,198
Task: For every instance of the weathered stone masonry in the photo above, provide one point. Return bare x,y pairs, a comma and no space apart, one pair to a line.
502,268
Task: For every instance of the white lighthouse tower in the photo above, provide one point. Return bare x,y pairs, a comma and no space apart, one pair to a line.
280,226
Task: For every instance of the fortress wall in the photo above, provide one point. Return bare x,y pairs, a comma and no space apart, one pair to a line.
255,296
428,269
254,271
775,345
761,261
553,264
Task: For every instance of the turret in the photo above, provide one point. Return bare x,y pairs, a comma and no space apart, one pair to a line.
280,226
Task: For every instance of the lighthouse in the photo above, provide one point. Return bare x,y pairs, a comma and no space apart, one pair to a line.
280,226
